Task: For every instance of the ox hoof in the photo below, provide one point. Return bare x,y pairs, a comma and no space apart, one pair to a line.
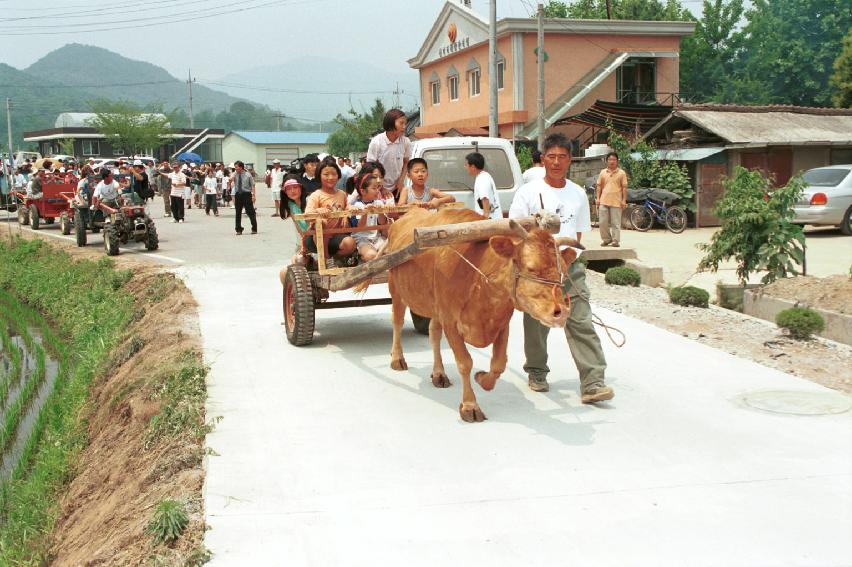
486,379
399,364
440,380
471,413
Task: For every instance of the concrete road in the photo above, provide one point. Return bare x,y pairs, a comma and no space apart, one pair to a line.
325,456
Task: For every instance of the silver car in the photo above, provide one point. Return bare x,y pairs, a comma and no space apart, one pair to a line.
827,199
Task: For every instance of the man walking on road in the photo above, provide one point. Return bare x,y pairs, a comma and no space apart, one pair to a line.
611,199
243,184
555,194
275,181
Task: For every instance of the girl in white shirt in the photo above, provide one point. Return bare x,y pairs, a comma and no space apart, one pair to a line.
210,194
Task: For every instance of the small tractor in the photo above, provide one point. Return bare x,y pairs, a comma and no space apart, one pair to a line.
121,225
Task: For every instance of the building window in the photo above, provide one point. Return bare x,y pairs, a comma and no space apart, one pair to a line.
473,82
453,85
435,87
501,67
636,81
91,148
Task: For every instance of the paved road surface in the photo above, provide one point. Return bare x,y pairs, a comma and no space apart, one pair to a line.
325,456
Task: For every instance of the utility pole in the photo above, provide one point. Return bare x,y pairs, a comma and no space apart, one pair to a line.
10,170
540,121
9,126
608,10
396,96
189,81
279,115
493,131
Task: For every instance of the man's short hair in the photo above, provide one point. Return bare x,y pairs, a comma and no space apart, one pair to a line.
391,116
612,154
475,159
311,158
414,161
557,140
240,164
536,156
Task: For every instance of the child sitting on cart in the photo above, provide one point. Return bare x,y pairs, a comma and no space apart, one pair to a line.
328,199
293,202
369,242
417,193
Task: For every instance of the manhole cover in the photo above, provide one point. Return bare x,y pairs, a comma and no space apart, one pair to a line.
798,402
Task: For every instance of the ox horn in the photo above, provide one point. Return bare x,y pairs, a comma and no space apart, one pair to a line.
518,229
568,241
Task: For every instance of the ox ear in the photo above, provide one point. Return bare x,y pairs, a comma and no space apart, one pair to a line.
569,256
503,245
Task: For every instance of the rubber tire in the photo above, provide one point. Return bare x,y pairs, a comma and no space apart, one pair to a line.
80,231
676,226
64,224
298,303
152,241
23,215
421,324
111,240
641,219
34,218
846,225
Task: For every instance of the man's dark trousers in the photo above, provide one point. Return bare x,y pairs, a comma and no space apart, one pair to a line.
243,200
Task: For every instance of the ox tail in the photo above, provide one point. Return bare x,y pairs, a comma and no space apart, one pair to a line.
362,287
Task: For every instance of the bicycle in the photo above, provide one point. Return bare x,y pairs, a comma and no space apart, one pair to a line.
642,216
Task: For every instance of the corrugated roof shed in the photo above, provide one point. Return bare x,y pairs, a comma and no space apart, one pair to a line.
777,127
283,138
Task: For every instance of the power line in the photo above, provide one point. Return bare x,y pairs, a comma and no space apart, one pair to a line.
104,11
292,91
147,83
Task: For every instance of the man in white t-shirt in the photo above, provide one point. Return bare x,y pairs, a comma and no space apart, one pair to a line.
485,199
537,170
107,191
275,180
555,194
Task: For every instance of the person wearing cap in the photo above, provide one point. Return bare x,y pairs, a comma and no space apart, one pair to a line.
275,181
178,187
139,180
244,197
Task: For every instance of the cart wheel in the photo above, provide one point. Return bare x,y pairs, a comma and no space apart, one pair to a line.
34,218
111,240
298,306
23,215
64,224
421,324
80,230
152,241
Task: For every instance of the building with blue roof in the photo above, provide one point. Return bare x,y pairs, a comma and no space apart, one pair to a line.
258,149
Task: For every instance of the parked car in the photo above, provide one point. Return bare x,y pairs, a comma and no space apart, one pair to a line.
827,199
447,171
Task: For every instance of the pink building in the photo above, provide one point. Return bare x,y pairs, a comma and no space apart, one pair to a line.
587,60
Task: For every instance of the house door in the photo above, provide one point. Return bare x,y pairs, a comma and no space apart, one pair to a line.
709,192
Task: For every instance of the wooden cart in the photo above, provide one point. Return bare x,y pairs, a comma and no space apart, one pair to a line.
307,286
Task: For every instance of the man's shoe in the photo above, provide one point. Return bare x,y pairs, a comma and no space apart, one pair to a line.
254,231
538,384
606,242
597,393
615,244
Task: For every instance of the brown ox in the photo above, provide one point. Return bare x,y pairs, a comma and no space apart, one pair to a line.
517,272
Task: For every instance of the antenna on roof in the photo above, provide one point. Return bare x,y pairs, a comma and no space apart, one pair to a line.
466,4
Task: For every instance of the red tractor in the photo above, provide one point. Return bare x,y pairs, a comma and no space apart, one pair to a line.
52,204
120,225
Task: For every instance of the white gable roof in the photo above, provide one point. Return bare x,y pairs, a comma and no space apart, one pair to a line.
471,29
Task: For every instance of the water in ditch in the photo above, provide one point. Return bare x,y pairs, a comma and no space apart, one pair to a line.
29,412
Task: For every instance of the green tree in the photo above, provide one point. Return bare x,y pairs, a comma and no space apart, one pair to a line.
790,46
655,10
67,146
841,80
128,127
355,130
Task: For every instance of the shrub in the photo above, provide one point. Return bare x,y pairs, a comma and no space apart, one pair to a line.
689,296
800,322
169,521
622,276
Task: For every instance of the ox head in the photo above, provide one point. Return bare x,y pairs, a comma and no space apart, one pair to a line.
538,269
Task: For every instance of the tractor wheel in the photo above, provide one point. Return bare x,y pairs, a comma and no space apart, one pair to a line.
152,241
111,240
80,230
298,306
23,215
421,324
65,224
34,217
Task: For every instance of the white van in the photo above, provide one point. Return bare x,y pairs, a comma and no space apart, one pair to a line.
447,170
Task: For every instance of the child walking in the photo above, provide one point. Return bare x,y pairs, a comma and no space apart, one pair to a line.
210,193
418,193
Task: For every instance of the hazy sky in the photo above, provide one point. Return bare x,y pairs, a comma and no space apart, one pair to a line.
387,32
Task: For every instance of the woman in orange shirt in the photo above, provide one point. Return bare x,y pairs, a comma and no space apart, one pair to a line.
327,199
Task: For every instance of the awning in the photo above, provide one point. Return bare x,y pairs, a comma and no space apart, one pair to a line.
625,118
685,154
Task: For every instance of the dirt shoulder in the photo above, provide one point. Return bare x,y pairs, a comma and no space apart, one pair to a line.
818,360
145,435
833,292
